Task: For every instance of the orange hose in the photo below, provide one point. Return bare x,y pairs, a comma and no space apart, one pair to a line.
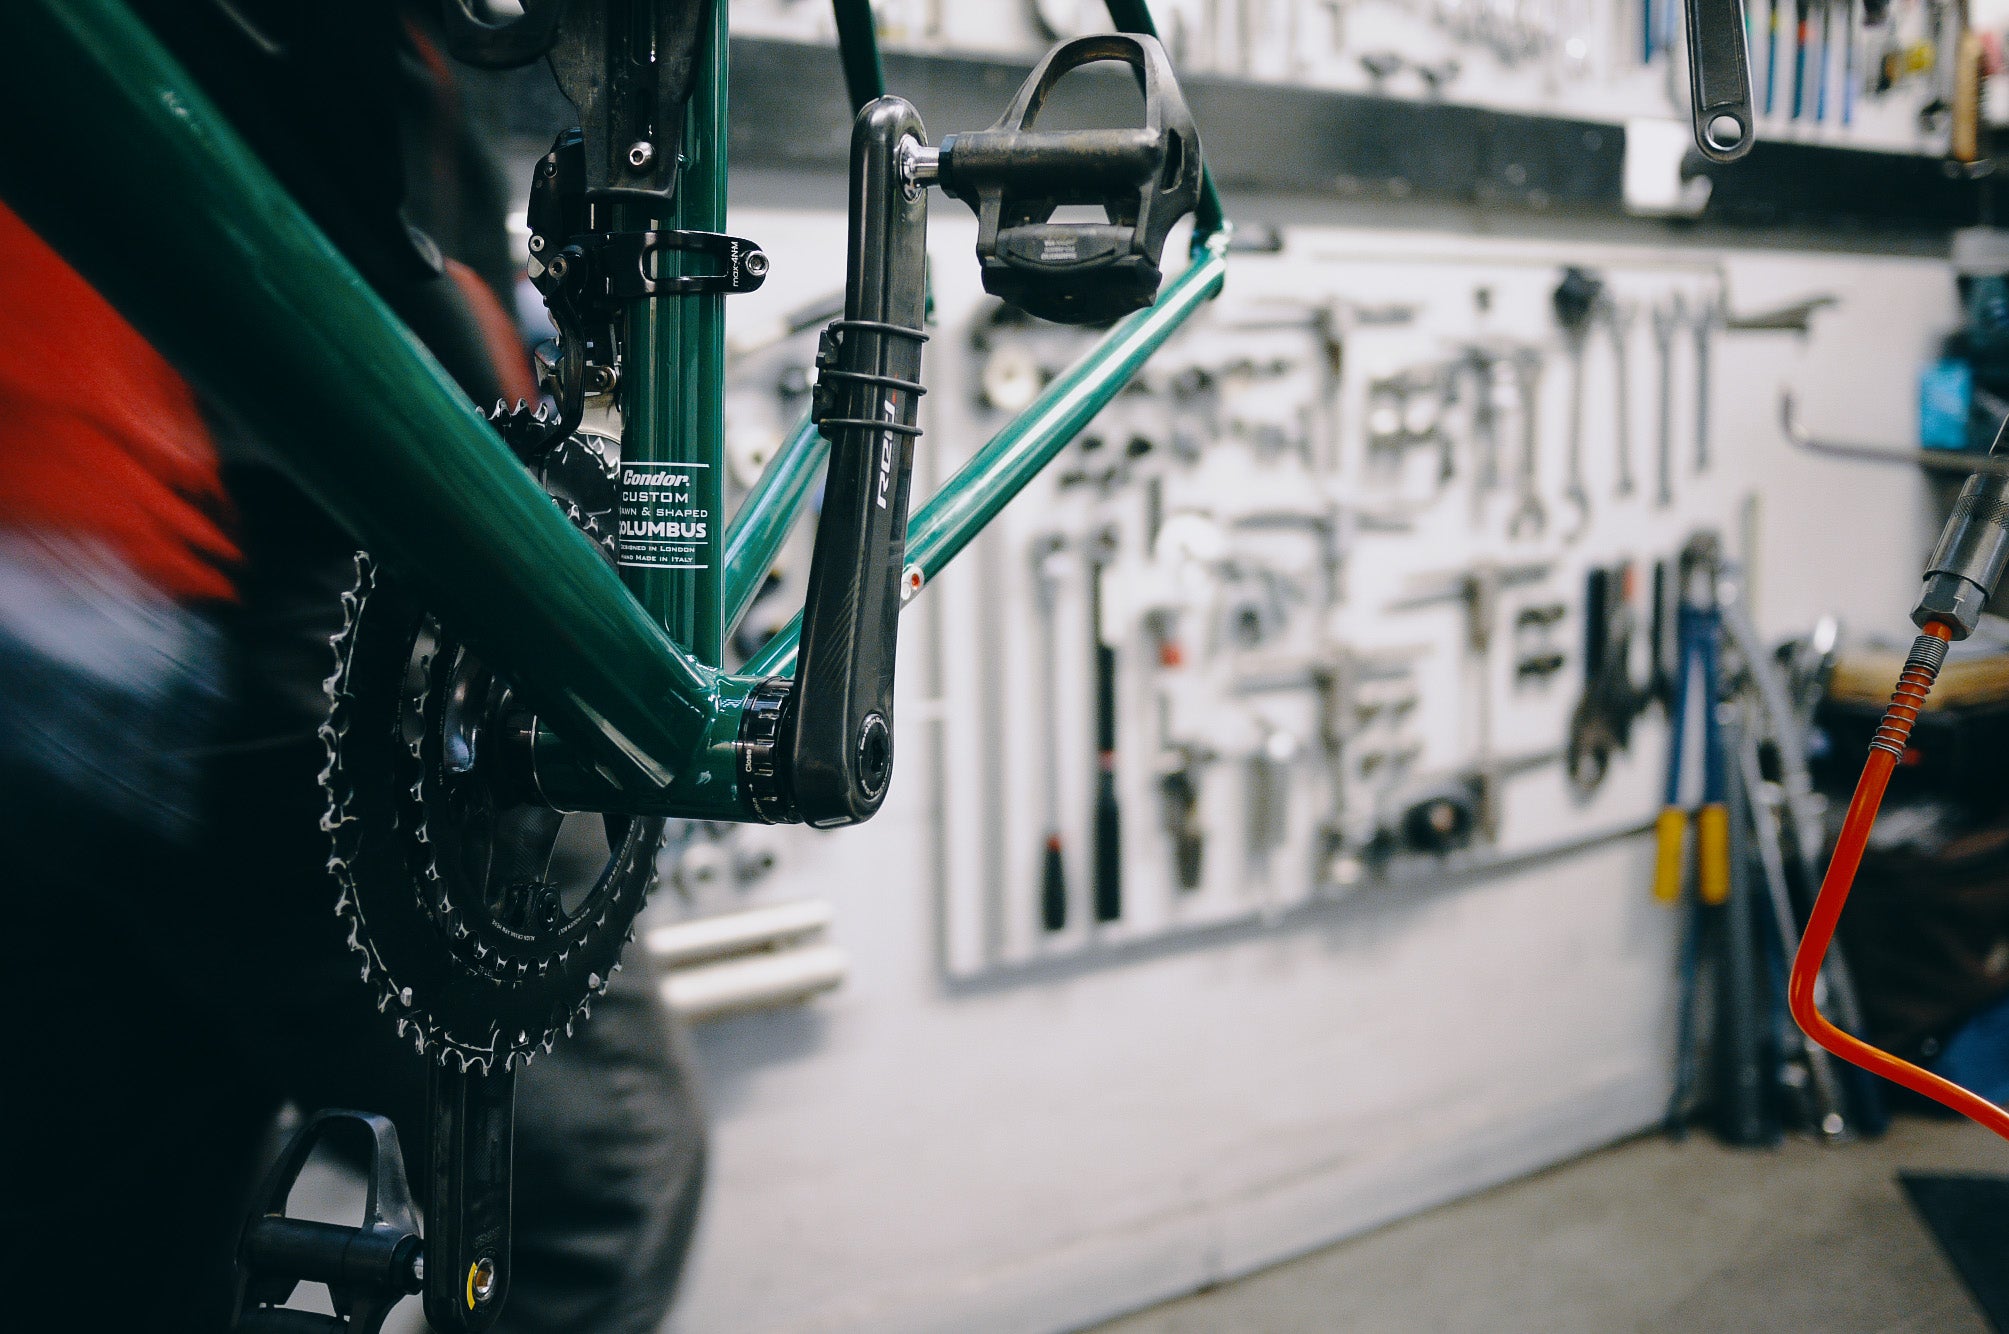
1912,688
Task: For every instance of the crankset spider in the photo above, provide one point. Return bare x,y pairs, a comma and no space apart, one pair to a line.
486,920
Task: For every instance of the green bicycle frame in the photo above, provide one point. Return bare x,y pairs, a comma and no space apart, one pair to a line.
139,182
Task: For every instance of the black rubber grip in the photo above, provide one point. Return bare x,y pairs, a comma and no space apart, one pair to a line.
840,729
1053,887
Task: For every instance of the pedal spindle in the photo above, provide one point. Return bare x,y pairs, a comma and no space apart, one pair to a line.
1016,177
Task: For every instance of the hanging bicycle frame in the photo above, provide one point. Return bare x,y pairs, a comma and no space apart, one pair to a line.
139,182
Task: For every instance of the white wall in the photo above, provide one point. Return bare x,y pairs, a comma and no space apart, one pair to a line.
1033,1153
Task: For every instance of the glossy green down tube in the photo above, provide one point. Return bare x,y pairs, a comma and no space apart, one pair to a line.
764,518
136,179
986,484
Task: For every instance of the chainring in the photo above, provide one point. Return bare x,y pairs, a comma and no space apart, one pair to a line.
485,925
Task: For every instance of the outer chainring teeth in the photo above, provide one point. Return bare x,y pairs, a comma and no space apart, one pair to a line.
460,981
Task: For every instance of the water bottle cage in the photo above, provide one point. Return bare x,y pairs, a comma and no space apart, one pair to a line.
1015,178
829,402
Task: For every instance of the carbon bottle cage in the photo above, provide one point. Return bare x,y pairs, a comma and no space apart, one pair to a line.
1015,177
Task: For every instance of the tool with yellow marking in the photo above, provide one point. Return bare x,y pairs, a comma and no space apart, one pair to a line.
1695,690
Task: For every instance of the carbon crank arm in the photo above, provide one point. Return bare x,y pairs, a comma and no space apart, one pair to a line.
831,729
470,1144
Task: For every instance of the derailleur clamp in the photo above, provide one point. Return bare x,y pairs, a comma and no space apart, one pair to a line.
602,267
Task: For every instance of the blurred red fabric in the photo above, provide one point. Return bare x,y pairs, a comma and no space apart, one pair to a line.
101,440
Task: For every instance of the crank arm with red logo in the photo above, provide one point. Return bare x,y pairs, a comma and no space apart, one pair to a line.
832,737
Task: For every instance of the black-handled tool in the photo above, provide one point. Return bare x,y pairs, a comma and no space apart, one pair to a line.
1015,177
836,719
1108,822
1719,79
1047,554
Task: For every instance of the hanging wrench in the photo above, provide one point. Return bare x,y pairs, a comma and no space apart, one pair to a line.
1666,319
1574,493
1530,516
1578,300
1707,316
1618,325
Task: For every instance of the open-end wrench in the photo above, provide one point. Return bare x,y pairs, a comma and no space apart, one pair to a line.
1707,316
1578,301
1530,515
1667,318
1618,318
1574,493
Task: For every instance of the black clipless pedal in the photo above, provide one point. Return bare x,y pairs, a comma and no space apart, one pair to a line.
1016,178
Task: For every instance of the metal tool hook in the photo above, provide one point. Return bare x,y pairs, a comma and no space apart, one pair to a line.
1939,460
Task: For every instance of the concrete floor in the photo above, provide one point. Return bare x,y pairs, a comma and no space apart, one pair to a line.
1644,1236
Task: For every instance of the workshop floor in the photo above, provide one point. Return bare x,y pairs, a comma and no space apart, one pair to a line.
1644,1236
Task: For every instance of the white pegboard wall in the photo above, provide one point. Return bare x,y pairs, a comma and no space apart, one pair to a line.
1582,58
1008,1155
1265,453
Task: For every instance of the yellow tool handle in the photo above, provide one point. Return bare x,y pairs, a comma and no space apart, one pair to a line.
1670,830
1712,853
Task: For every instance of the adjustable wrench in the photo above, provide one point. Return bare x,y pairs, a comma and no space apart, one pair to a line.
1530,515
1666,319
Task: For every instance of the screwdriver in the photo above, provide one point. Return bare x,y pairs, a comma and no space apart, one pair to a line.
1699,628
1046,556
1108,813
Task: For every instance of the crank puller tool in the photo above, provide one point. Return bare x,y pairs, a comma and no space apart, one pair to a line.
367,1269
1719,79
1015,178
819,749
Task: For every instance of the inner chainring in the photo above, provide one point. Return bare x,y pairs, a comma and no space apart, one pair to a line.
486,923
